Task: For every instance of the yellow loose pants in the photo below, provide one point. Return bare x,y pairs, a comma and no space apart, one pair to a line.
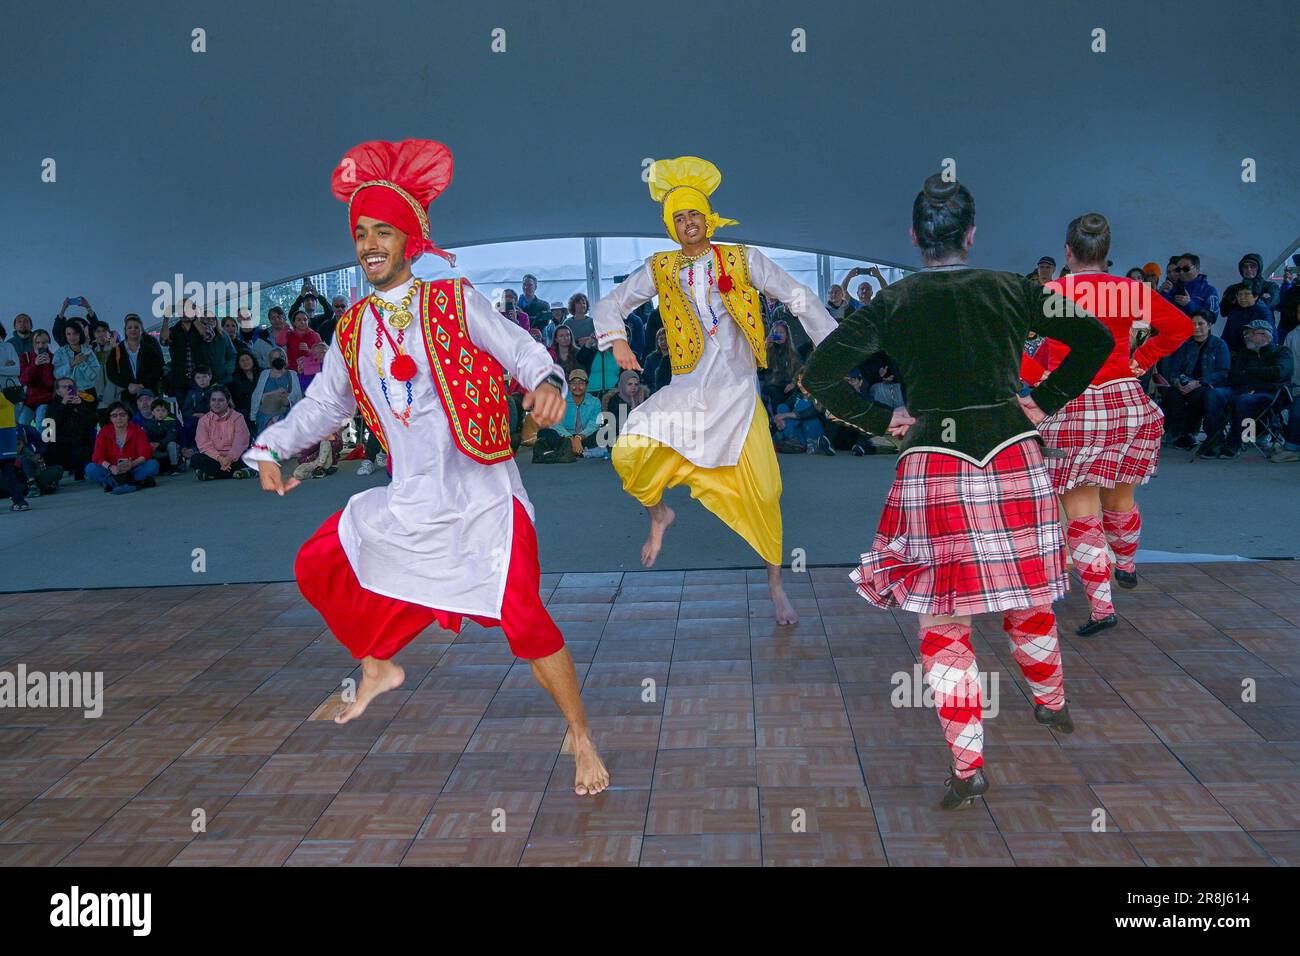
746,495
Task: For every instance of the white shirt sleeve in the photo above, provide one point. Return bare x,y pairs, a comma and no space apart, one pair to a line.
526,359
329,403
9,364
610,311
776,283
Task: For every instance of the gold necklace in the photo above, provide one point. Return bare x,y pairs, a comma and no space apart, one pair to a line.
401,315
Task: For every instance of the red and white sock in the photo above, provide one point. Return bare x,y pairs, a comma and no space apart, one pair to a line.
948,662
1035,648
1123,528
1087,544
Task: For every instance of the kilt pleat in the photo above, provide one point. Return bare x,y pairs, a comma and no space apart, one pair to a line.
957,539
1109,435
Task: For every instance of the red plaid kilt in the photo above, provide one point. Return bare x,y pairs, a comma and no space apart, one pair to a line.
1109,435
958,539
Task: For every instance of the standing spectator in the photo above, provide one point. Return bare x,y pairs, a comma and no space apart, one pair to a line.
530,303
73,435
838,304
548,322
164,437
280,328
1247,307
1196,367
634,329
1258,372
222,438
21,339
277,391
135,364
122,460
243,384
1289,303
38,378
300,341
579,322
107,391
307,300
1290,450
76,360
221,351
194,408
10,370
339,304
61,321
1186,288
864,288
658,370
230,326
1043,271
510,309
1251,268
187,348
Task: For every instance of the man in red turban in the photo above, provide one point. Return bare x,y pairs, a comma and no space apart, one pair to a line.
452,535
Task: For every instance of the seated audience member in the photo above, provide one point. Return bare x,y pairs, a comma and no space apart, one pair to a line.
563,350
579,322
1195,368
122,460
321,461
1251,269
1288,313
222,439
41,478
136,363
11,367
143,407
511,310
300,341
73,436
601,367
230,328
629,394
1186,288
37,376
1258,373
194,408
164,437
12,483
581,419
783,367
658,370
105,388
1290,451
882,382
277,391
634,329
800,428
1247,308
76,360
309,367
243,384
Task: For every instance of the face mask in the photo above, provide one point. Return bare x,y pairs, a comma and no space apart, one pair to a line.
278,363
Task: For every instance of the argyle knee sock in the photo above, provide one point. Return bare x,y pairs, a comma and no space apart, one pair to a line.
948,662
1036,650
1087,544
1123,528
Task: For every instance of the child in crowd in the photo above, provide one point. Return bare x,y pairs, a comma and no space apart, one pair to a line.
195,407
160,428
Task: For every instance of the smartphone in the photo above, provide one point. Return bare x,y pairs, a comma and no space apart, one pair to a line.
77,300
123,462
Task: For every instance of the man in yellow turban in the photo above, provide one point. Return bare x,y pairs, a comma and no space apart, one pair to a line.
707,428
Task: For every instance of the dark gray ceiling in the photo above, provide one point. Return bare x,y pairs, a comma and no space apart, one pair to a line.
216,165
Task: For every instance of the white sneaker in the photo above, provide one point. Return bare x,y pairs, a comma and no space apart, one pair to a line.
367,468
381,459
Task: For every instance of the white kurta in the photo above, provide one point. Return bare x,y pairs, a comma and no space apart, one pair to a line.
440,533
705,414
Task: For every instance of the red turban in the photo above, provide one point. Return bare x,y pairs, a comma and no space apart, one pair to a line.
394,183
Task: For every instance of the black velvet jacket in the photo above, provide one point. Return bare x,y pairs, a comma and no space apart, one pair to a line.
956,336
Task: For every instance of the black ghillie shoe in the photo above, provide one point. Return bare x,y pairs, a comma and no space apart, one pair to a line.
1096,625
1126,579
962,793
1058,720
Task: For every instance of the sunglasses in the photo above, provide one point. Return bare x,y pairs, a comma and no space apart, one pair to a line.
1182,268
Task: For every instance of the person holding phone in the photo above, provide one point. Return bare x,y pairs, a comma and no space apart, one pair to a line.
123,458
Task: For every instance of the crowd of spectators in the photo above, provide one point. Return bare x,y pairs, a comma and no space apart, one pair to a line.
120,409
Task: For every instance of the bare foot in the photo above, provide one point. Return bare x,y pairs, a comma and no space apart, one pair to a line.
377,677
782,609
661,517
591,777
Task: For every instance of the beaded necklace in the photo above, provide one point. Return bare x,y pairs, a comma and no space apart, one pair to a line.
690,281
403,367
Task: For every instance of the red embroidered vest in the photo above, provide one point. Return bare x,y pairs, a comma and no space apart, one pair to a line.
469,381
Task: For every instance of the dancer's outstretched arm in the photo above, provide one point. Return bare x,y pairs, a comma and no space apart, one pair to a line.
774,282
860,335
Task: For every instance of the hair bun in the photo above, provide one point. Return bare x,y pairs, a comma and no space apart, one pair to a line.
1094,224
939,190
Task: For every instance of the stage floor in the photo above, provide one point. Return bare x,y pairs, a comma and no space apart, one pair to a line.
730,741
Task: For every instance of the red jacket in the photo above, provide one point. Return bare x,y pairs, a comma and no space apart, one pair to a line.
39,379
1117,302
136,445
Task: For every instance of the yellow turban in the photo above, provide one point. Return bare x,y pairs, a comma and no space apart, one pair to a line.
686,183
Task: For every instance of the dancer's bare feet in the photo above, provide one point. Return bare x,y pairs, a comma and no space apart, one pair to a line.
377,677
661,517
782,609
591,776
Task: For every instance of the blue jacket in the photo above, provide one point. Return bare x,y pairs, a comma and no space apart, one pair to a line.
1214,368
590,416
1202,295
1237,320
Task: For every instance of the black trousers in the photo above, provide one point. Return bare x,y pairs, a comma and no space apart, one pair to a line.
1183,413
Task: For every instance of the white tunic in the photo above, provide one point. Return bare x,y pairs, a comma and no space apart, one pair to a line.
440,533
705,414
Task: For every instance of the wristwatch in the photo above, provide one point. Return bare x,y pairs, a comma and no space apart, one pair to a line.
555,380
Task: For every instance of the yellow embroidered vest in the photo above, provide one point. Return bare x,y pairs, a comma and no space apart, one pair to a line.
685,329
469,380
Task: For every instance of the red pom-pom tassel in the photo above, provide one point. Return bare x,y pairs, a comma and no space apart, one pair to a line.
404,368
724,283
